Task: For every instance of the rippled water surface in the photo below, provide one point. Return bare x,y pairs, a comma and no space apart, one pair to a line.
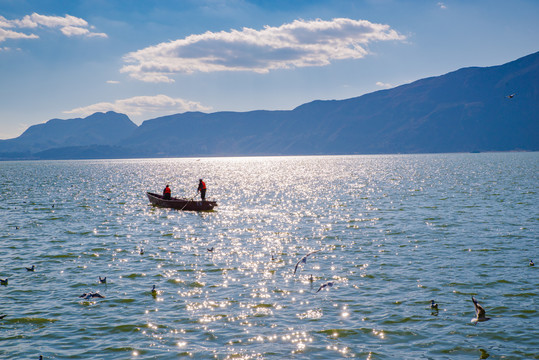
393,232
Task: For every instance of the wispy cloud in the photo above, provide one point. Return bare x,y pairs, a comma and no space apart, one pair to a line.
383,85
113,82
297,44
442,5
68,25
142,105
9,34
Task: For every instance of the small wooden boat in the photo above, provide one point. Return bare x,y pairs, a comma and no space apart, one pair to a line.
181,204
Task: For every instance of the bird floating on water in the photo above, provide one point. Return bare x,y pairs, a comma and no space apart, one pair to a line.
3,281
531,263
31,268
2,316
304,259
141,251
90,295
103,280
479,312
433,305
154,291
328,284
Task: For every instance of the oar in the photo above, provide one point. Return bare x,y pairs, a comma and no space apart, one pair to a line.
188,201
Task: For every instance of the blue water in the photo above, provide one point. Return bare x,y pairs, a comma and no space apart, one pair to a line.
393,232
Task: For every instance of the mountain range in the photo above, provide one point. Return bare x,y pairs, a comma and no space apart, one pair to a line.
469,110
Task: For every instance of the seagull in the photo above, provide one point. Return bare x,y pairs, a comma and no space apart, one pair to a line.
304,260
330,284
3,281
210,249
531,263
479,312
88,296
103,280
31,268
510,96
433,305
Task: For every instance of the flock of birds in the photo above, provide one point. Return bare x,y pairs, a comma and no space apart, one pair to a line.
480,313
479,310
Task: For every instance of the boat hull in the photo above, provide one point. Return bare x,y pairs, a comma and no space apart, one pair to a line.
181,204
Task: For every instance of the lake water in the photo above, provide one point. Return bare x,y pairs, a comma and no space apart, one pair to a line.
393,232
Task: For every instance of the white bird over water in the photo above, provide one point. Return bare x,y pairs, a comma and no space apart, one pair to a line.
304,260
479,312
90,295
328,284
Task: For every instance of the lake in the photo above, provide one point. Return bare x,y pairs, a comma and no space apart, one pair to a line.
393,232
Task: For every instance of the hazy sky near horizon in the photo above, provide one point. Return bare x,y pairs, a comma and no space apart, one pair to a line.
68,59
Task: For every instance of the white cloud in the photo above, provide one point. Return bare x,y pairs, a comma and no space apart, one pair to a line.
10,34
142,105
113,82
442,5
297,44
68,25
383,85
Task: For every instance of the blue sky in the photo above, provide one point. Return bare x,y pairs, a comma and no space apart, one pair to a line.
149,58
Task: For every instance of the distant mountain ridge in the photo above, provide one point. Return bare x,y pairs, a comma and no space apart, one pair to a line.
97,129
466,110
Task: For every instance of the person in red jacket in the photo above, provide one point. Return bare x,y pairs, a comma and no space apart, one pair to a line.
202,189
166,193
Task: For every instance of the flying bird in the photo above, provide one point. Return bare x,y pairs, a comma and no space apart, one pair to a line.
328,284
510,96
304,260
103,280
90,295
3,281
31,268
479,312
433,305
210,249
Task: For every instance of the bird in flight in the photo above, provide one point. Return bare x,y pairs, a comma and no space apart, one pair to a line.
510,96
479,312
304,260
328,284
90,295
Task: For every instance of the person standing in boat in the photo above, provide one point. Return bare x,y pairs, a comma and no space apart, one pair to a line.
202,189
166,193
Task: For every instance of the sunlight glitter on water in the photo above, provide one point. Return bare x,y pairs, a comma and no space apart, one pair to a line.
393,233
